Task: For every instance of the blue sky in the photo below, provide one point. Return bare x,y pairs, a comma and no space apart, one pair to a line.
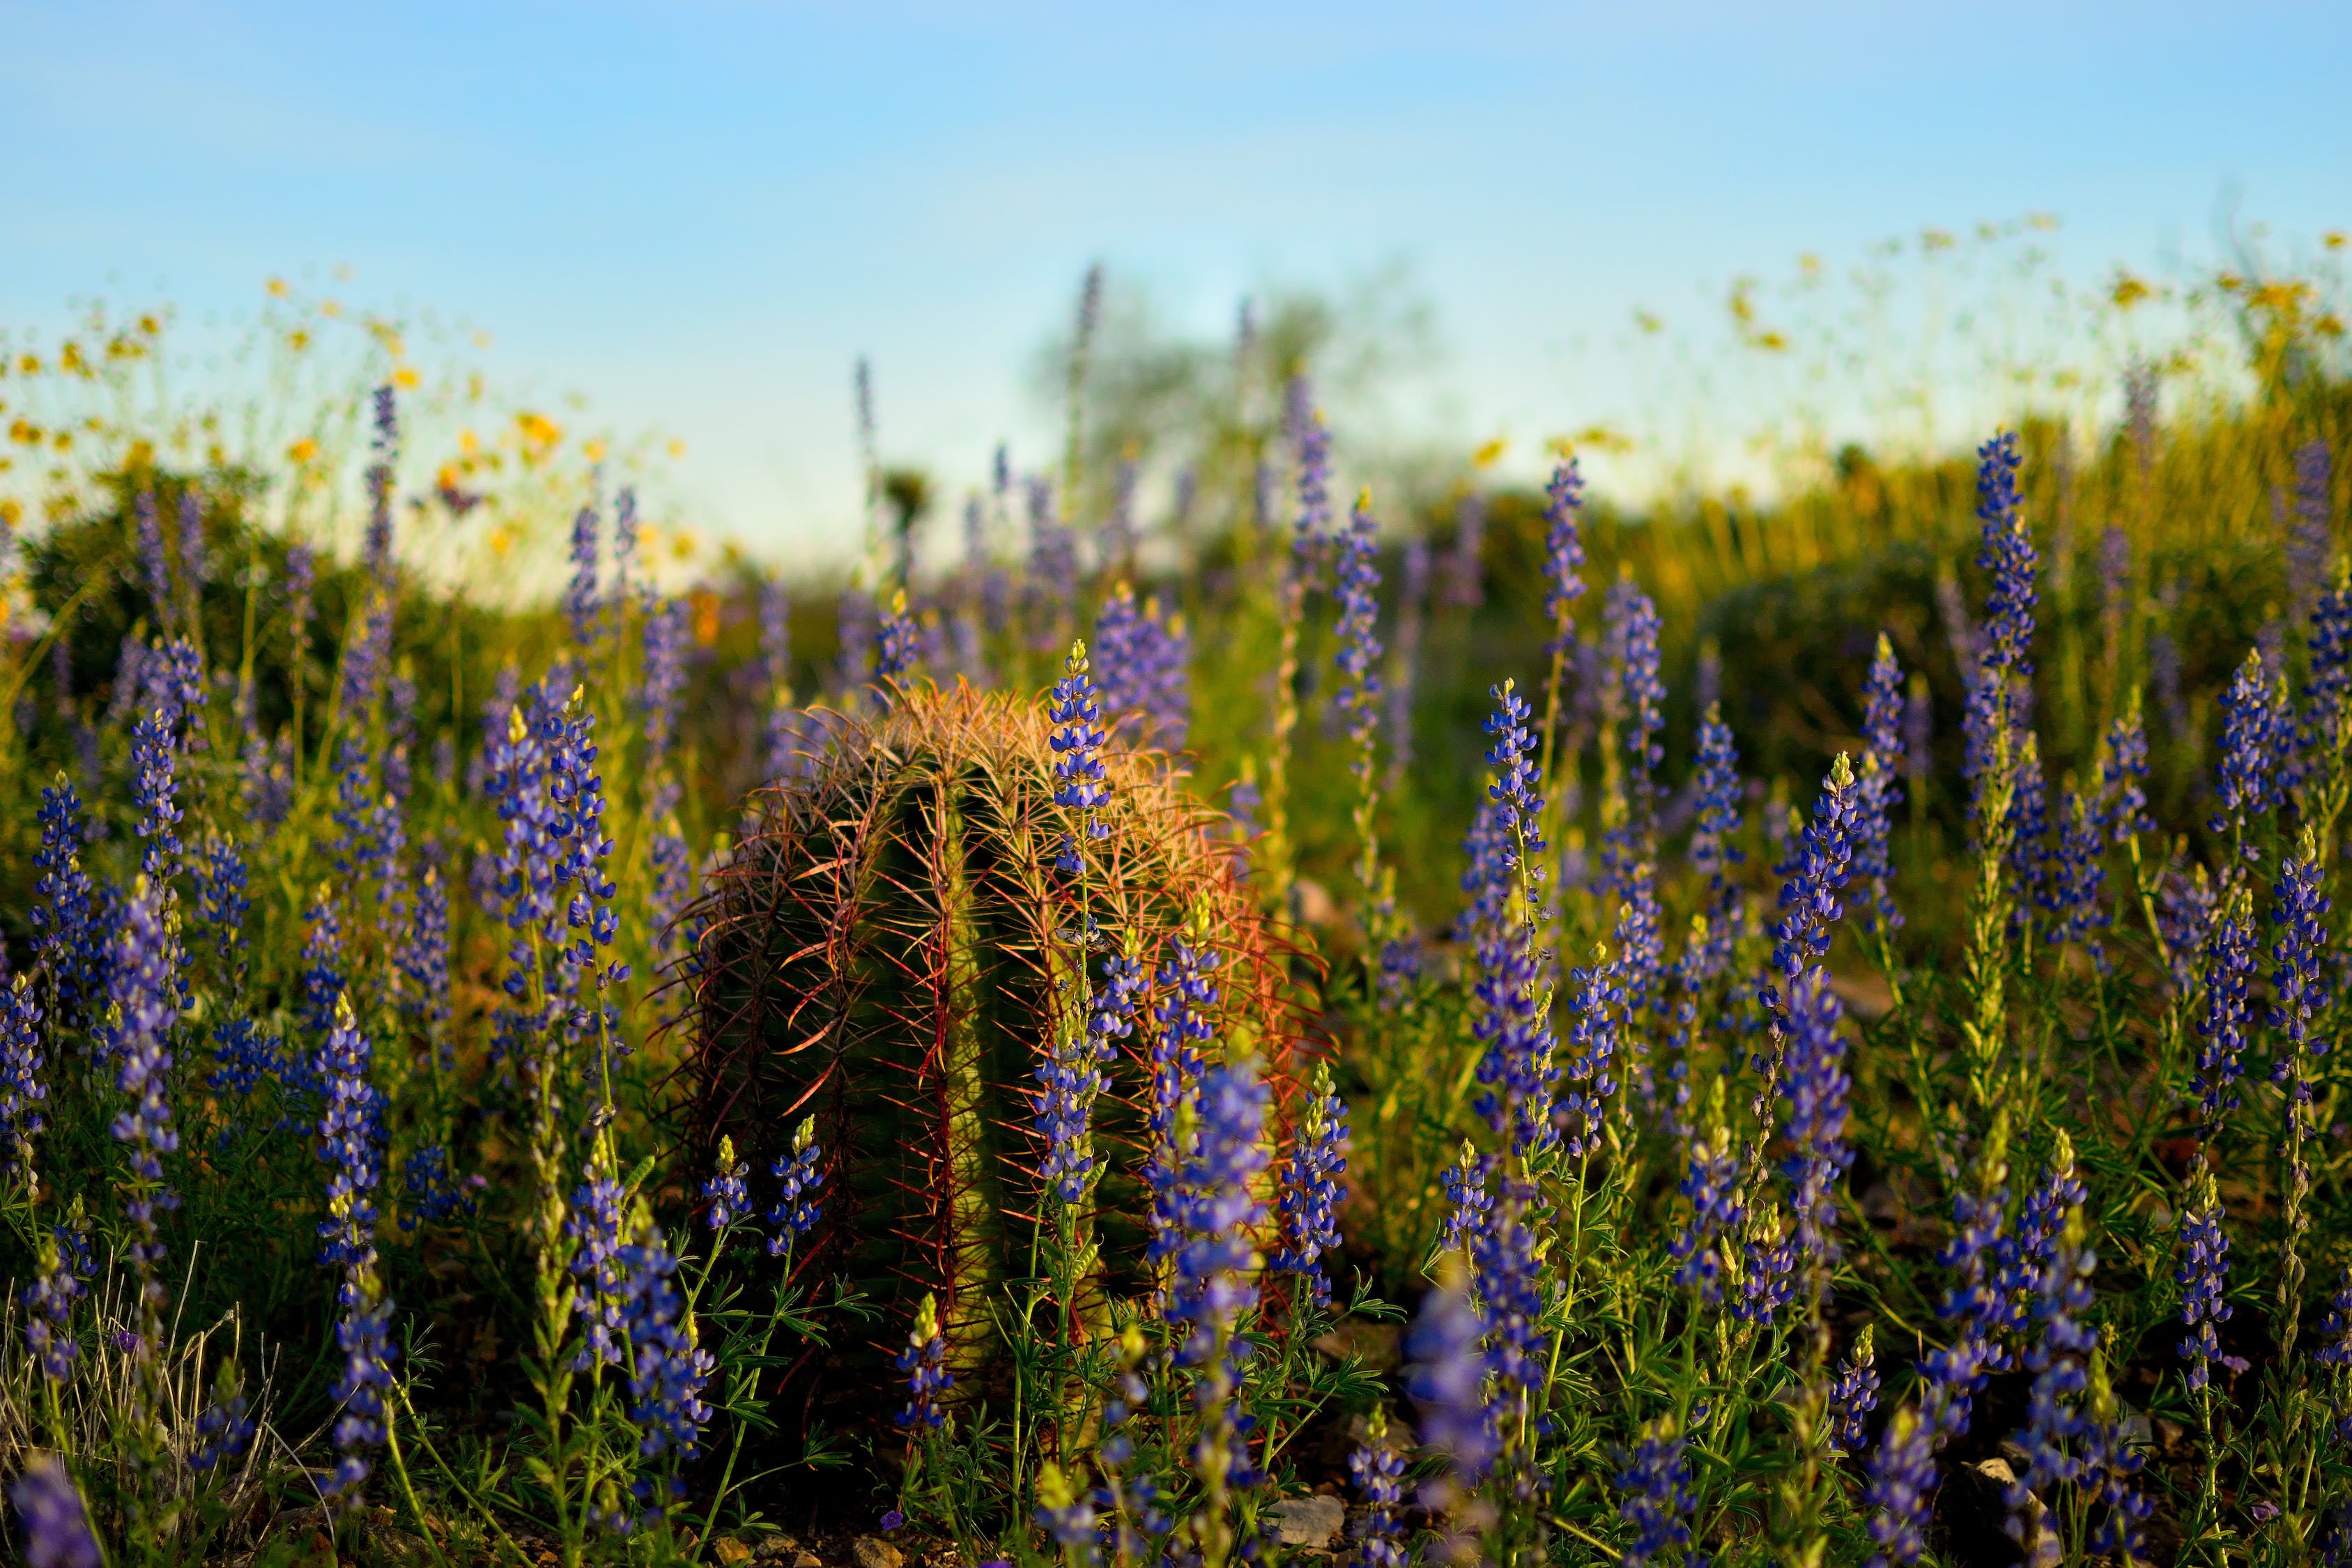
697,214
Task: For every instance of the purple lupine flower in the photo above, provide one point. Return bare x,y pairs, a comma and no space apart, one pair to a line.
2008,555
1816,876
2228,960
61,1279
223,1430
775,634
1510,1279
1563,553
2060,1364
1628,856
1516,1069
2023,1258
2311,547
1141,659
2331,675
1465,569
1053,576
434,1193
1815,1085
1067,1515
2075,891
664,675
1313,523
67,942
193,565
2105,1461
301,579
2203,1277
625,538
1378,1469
54,1523
1310,1188
155,740
2122,775
1879,789
1854,1395
2300,993
1214,1282
1486,879
1639,699
383,447
730,1194
1188,998
797,1210
22,1092
2249,747
1717,1208
323,960
924,1360
420,960
2185,907
595,1220
584,606
667,1370
1117,543
1714,846
2000,672
367,656
858,628
1357,576
897,642
1077,742
1592,1039
1656,1479
151,561
144,986
1902,1471
1071,1078
1164,676
1467,1202
1412,601
1447,1382
541,777
352,1134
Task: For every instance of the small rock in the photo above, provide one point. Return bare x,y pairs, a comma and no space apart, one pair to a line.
806,1560
872,1551
1309,1520
775,1549
730,1551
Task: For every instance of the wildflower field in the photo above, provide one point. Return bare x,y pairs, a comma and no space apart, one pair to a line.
1491,1028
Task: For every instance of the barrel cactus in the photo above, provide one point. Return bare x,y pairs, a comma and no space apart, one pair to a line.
907,940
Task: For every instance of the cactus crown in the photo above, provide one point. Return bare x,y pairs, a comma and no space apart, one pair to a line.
893,947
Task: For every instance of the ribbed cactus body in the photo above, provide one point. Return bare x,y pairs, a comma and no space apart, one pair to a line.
892,950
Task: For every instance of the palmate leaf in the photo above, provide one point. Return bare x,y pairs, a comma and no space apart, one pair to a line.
879,953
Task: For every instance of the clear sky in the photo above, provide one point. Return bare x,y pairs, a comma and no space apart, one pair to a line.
698,214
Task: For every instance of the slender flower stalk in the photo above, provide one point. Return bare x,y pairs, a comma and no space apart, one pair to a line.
1310,1189
1357,576
1854,1395
351,1136
1307,541
2002,670
1378,1470
22,1091
1879,789
1656,1479
1446,1379
1563,585
2300,996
